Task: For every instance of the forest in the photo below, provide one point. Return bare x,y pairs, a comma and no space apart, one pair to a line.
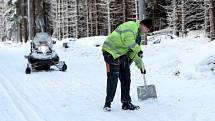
85,18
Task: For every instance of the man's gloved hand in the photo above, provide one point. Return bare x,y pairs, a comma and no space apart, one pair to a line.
140,54
143,71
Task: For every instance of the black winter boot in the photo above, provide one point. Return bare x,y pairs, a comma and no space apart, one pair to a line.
107,107
129,106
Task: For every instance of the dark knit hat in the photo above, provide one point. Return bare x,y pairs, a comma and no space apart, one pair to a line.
147,22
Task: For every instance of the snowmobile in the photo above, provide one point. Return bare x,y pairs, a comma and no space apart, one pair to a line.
42,56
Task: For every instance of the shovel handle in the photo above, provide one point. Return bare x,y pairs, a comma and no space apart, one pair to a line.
144,79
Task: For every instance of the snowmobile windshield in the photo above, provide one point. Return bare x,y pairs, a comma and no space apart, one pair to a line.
42,38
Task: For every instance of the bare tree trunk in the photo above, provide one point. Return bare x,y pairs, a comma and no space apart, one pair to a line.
175,17
96,17
136,9
29,19
123,10
59,21
91,17
26,30
182,18
18,31
108,16
76,28
212,27
87,12
142,9
21,22
206,18
67,19
62,19
142,15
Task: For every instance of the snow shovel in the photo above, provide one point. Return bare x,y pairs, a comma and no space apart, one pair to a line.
146,91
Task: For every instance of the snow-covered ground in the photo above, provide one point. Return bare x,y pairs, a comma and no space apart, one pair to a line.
181,69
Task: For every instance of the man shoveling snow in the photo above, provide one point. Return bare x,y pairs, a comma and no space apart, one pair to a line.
121,48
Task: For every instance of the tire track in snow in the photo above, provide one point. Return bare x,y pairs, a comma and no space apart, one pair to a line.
25,109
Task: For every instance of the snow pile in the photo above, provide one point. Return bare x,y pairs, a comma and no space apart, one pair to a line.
181,68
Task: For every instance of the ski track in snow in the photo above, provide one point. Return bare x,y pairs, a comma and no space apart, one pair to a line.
78,94
26,111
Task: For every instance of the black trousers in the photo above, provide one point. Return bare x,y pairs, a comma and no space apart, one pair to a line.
117,68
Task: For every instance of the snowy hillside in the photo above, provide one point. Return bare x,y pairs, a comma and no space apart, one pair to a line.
182,70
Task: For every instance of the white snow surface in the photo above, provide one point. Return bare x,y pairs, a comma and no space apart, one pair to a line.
79,93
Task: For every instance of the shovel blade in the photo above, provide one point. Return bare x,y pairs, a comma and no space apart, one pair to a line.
145,93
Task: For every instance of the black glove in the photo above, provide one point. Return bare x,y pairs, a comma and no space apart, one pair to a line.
140,54
143,71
